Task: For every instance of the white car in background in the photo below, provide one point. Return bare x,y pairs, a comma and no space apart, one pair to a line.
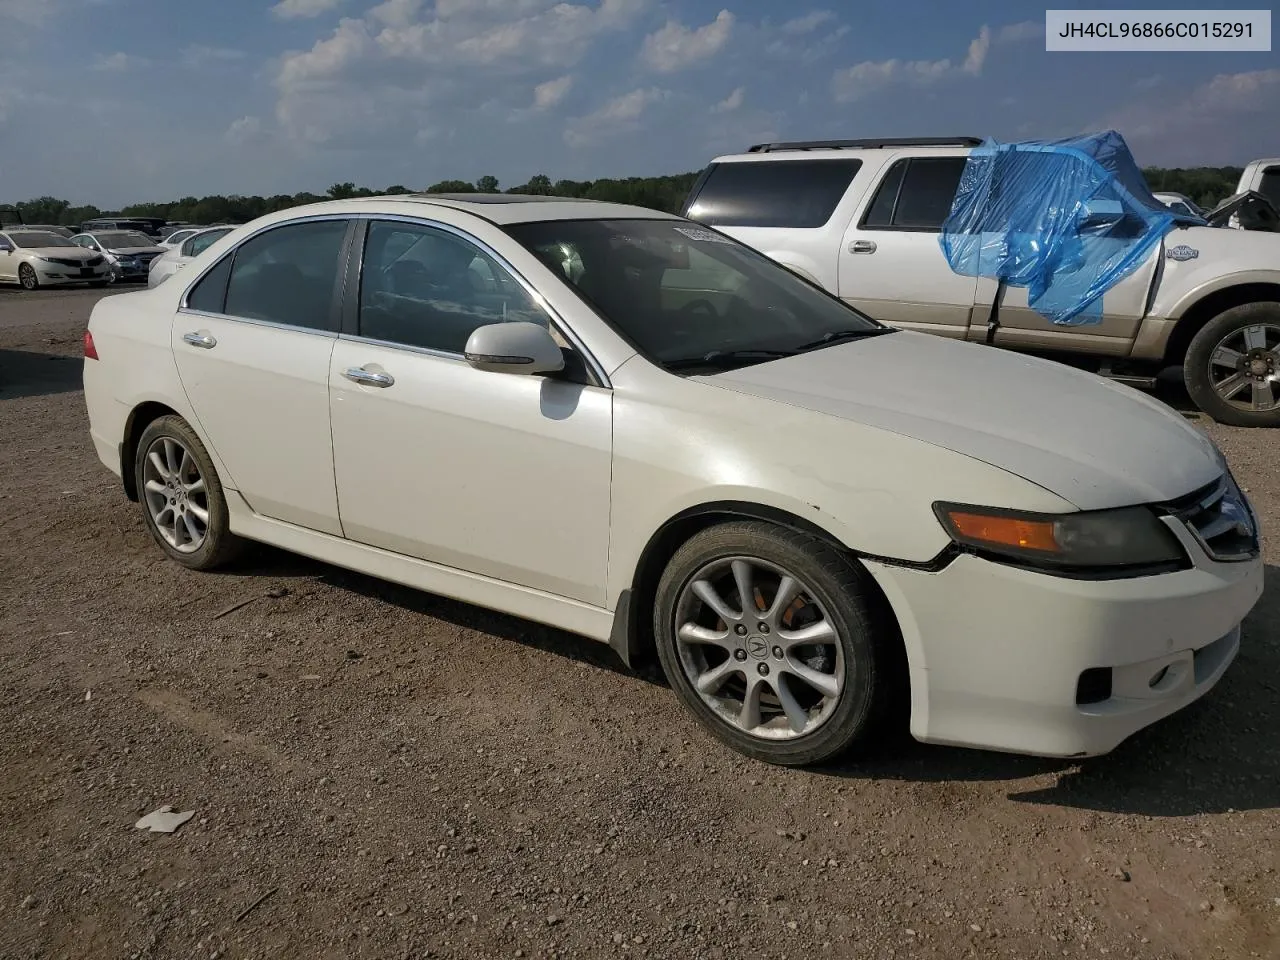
1180,203
630,426
37,258
175,258
128,252
175,238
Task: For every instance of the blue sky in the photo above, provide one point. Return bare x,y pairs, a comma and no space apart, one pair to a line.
118,101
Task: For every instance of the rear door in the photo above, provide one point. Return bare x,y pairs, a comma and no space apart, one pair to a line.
891,265
252,341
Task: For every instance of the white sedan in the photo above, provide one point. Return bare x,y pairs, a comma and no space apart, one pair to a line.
176,257
630,426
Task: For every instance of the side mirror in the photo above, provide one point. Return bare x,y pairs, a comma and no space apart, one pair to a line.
521,347
5,247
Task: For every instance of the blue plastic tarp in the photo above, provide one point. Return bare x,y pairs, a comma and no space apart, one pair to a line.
1067,219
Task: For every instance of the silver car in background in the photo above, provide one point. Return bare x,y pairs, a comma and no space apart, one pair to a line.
175,258
128,252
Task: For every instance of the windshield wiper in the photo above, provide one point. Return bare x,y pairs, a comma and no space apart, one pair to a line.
727,359
842,336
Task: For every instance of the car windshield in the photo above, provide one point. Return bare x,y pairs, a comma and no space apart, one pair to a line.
124,240
36,239
687,297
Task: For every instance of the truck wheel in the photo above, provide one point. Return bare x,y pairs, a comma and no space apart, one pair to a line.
1232,367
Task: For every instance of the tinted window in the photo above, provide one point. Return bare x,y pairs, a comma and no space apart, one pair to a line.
880,213
425,287
679,292
782,193
288,275
928,189
202,242
1269,185
210,293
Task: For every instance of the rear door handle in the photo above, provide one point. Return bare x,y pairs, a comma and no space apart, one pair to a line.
862,246
368,377
200,340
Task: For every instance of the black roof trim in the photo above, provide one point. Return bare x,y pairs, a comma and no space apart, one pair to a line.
868,144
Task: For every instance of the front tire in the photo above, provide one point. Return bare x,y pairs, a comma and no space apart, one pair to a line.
27,277
800,671
181,496
1232,367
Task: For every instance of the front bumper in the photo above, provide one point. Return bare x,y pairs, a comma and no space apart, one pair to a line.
54,273
1012,660
131,269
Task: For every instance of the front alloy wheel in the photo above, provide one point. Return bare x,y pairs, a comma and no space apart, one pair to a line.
27,277
1232,367
778,641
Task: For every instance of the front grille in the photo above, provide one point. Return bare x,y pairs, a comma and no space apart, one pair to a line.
1220,519
62,262
93,261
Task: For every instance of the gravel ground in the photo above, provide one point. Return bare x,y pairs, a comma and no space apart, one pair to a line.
400,775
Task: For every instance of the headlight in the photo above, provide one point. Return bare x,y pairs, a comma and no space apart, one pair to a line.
1097,539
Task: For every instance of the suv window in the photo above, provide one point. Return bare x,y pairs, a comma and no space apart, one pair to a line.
286,275
425,287
916,194
1269,185
773,193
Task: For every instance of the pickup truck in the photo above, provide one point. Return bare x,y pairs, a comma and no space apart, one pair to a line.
861,218
1264,177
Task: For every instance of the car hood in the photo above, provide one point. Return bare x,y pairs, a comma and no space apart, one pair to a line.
1094,443
61,253
135,251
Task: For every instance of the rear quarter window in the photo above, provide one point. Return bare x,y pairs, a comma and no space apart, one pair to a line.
1269,185
778,193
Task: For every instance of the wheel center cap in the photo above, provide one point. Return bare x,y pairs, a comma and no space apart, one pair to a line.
1257,367
757,646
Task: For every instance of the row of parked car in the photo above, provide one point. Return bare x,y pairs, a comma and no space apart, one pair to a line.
37,255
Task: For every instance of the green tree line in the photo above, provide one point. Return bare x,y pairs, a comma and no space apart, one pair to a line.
1207,186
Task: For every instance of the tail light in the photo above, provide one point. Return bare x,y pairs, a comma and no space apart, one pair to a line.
90,351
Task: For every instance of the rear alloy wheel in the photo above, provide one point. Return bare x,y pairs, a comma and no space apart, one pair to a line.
772,638
1232,367
27,277
181,496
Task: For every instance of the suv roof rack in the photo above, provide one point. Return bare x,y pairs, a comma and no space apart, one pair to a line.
870,144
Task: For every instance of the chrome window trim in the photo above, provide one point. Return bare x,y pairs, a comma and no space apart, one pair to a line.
597,371
261,323
310,218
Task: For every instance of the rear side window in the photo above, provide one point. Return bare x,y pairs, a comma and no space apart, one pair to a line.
1269,185
916,194
288,275
781,193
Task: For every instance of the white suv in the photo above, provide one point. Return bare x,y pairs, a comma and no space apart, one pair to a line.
862,219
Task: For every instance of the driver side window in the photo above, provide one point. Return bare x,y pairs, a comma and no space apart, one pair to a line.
425,287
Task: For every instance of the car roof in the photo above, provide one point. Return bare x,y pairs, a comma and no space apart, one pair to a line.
498,208
836,149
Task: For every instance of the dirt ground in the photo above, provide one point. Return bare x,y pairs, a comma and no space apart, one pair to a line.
400,775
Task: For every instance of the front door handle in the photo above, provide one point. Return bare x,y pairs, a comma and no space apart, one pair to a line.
200,340
368,377
862,246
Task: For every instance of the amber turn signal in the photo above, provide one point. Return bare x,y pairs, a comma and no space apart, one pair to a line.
998,531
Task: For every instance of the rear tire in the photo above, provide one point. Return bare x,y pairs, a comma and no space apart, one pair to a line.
794,686
1232,367
181,496
27,277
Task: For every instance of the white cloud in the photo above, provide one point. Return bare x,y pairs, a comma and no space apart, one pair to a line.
547,95
118,63
1209,125
199,55
730,103
617,116
31,12
409,65
246,130
808,23
870,76
675,46
302,9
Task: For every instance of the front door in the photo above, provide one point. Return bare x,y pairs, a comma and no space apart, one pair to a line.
253,347
891,265
499,474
